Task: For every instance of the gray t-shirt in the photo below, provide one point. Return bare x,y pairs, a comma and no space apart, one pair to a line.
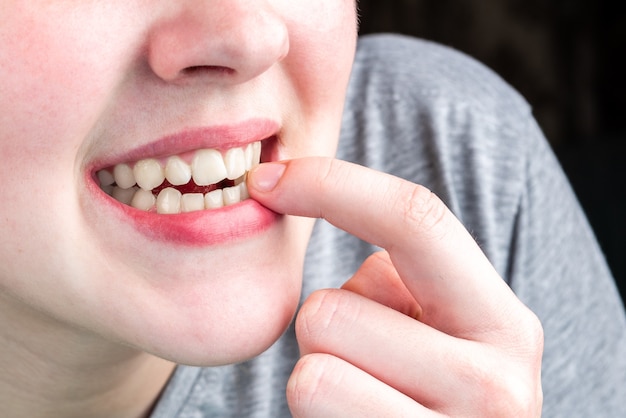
426,113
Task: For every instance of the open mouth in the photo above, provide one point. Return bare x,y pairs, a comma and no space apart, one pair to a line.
202,180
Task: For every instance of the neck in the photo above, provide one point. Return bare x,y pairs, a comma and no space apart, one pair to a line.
50,370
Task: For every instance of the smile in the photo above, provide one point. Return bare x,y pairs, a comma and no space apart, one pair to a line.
205,179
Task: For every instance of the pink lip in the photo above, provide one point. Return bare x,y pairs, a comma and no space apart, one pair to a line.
219,137
201,228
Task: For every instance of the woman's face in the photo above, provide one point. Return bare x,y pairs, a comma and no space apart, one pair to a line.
98,99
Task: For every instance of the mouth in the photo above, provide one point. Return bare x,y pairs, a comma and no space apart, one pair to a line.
205,179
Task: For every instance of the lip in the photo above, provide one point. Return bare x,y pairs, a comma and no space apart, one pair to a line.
219,137
200,228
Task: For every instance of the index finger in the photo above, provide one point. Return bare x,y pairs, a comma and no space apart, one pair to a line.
439,261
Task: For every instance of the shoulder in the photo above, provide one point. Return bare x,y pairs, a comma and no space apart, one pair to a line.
427,74
435,116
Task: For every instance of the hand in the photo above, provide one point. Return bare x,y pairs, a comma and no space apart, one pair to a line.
426,328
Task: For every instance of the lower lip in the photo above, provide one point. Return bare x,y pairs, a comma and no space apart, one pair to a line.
200,228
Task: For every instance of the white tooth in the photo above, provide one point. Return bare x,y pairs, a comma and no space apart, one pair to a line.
124,195
168,201
244,191
256,159
253,154
105,178
191,202
214,199
208,167
123,175
249,156
148,174
177,172
143,200
235,161
232,195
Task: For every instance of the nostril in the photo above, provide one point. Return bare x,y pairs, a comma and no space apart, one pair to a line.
208,69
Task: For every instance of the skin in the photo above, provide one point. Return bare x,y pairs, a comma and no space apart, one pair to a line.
83,294
454,341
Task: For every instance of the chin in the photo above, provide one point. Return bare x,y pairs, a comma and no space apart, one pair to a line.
229,329
208,310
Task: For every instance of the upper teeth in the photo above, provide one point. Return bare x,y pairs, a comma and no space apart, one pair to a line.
132,184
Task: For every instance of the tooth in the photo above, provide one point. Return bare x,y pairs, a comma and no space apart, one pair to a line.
256,159
208,167
168,201
214,199
123,175
244,191
177,172
148,174
249,156
232,195
105,178
124,195
143,200
235,161
191,202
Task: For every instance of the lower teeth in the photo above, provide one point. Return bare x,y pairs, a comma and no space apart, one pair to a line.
172,201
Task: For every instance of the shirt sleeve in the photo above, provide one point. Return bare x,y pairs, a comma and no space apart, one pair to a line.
558,270
437,117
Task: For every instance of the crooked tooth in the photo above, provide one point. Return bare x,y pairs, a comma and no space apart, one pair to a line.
123,175
208,167
244,191
249,152
148,174
214,199
124,196
235,162
168,201
256,148
232,195
177,172
253,155
143,200
105,178
191,202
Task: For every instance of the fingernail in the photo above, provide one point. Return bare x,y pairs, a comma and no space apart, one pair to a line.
265,177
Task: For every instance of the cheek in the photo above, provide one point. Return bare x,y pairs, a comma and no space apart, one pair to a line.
56,71
323,40
55,79
322,46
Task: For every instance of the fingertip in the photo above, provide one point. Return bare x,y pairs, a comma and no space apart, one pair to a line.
264,177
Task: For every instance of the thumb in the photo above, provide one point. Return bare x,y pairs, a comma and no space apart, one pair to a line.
378,280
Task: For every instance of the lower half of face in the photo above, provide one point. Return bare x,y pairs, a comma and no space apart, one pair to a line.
206,279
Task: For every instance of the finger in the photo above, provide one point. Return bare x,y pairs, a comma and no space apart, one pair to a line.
441,265
441,372
378,280
322,385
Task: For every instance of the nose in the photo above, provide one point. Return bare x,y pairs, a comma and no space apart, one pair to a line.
228,41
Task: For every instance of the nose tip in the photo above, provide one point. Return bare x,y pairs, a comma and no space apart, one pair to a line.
227,44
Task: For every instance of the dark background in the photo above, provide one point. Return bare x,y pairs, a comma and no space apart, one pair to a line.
566,58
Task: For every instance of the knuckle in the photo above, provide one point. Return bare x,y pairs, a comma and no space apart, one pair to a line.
423,211
532,335
516,400
323,313
313,379
328,173
526,342
504,391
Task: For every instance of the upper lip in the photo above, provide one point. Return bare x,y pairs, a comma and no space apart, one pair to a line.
221,137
